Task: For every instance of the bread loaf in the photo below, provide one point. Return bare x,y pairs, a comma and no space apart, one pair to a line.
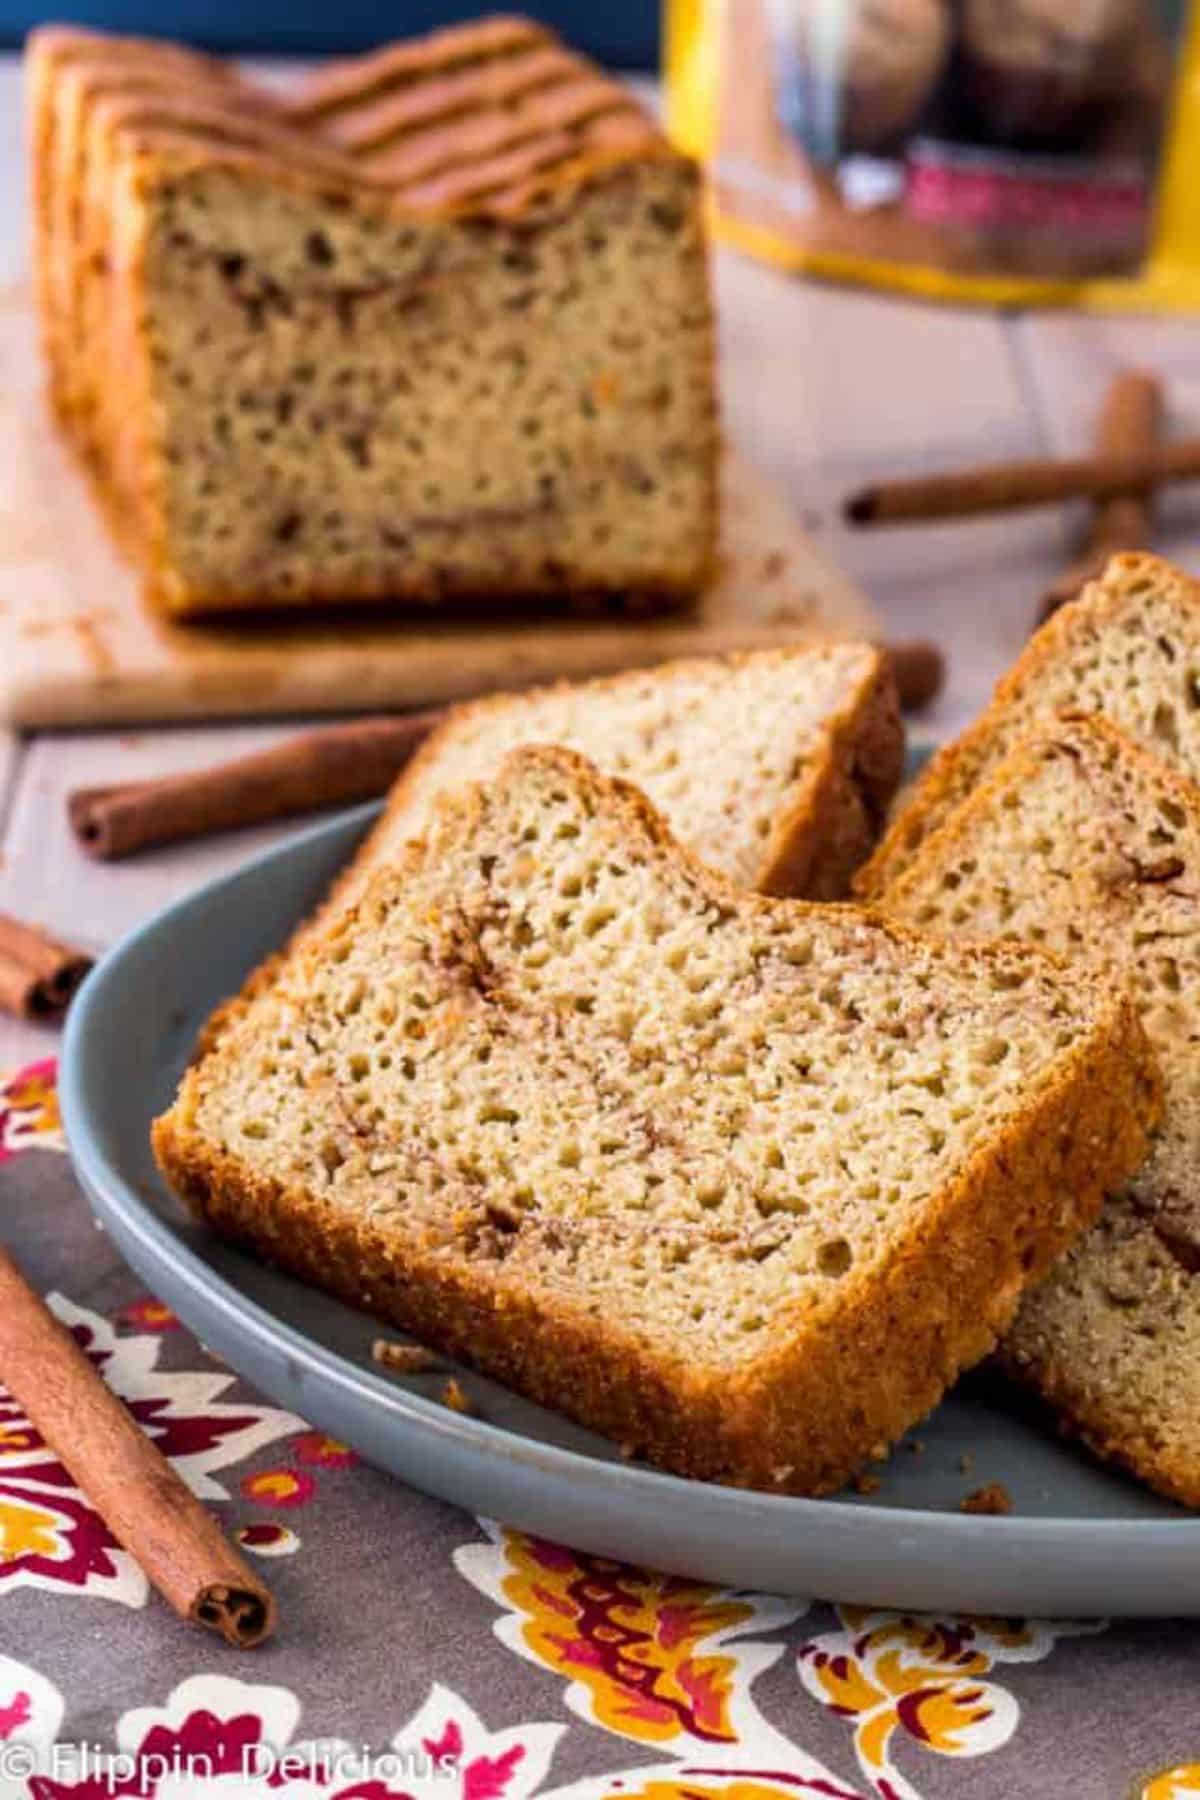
466,355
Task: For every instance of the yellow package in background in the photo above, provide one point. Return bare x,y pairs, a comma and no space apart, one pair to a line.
1011,152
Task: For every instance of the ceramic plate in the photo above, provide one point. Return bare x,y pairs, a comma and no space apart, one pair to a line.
1080,1539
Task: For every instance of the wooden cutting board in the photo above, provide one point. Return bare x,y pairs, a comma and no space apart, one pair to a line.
77,646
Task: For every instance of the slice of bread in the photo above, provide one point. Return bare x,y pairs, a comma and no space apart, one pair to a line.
742,1182
1128,648
775,767
1084,843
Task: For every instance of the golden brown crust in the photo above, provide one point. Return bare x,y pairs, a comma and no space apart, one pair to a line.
816,848
373,118
860,1367
486,115
353,79
953,771
563,125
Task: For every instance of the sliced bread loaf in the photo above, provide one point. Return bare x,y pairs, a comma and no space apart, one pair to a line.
1129,648
465,353
742,1182
1084,843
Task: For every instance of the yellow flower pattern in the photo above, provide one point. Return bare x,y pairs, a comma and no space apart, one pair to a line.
29,1113
1178,1783
900,1677
28,1530
646,1649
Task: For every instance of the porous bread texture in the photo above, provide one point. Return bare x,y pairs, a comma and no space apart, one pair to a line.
1128,648
428,408
774,767
742,1182
445,365
1089,846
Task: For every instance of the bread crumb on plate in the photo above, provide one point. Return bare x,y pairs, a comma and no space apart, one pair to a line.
994,1498
407,1359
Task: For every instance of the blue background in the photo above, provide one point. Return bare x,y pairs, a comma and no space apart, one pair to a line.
623,32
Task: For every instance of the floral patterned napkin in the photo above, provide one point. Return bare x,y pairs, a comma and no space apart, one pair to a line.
427,1655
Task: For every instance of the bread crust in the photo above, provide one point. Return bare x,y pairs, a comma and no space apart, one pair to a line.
818,845
860,1366
347,81
954,770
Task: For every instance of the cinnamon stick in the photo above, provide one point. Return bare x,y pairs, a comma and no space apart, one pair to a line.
1130,422
919,669
1009,487
140,1497
38,975
328,766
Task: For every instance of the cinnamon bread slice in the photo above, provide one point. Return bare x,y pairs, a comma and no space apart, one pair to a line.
471,356
774,767
742,1182
1086,844
1128,648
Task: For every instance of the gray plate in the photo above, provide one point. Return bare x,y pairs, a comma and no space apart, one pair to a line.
1080,1540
